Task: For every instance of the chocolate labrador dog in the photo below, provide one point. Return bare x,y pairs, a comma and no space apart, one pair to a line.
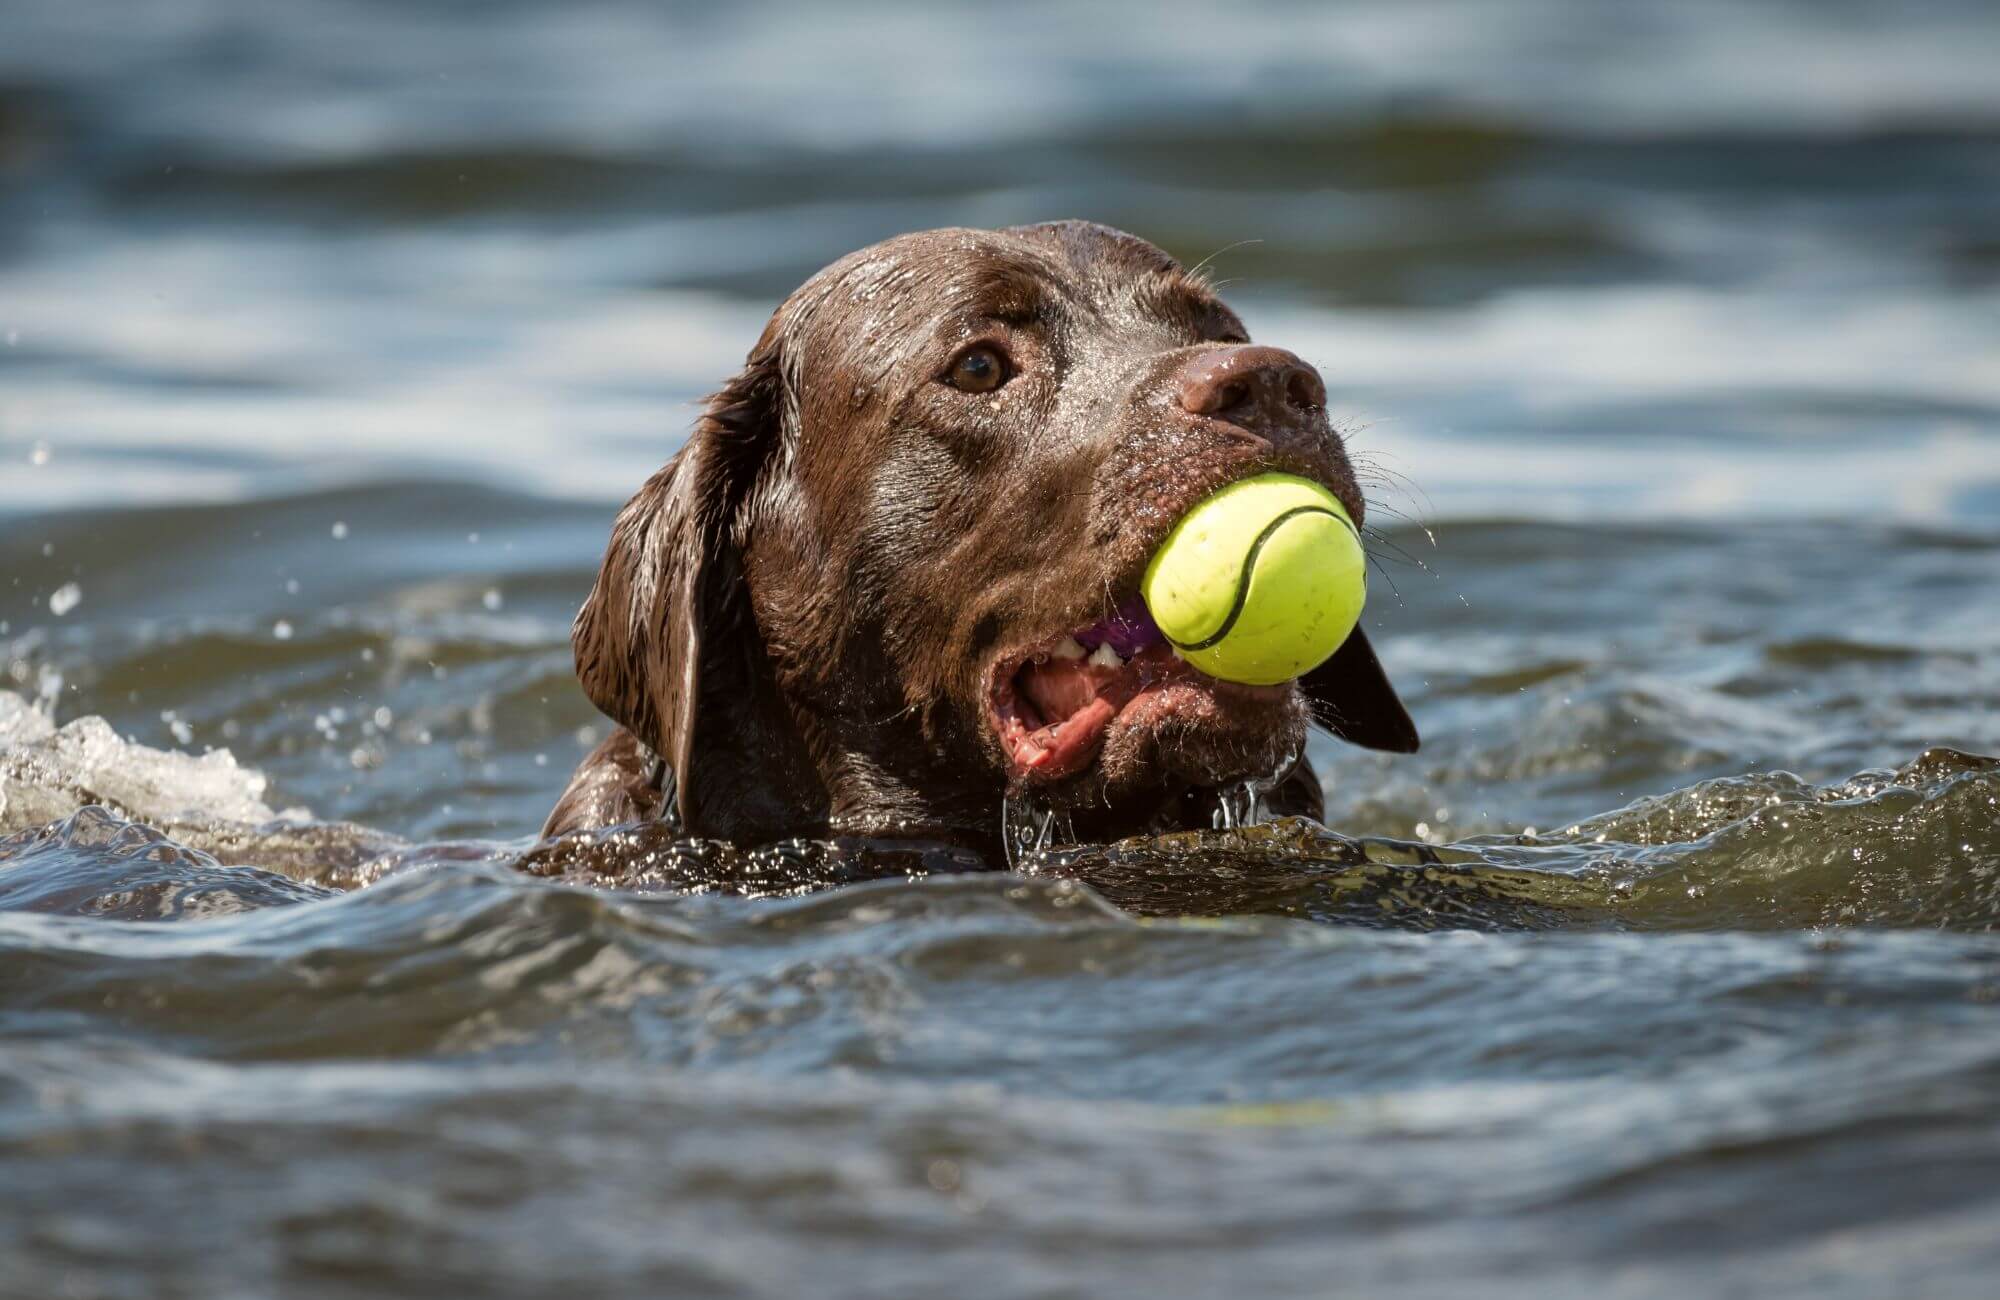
891,577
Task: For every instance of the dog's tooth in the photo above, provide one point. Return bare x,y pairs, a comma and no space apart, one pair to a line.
1105,657
1067,648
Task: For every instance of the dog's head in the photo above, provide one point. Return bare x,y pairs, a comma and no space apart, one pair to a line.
855,600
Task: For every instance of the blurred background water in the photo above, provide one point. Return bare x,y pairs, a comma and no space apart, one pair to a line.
333,331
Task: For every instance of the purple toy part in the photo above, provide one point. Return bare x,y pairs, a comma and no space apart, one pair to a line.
1129,630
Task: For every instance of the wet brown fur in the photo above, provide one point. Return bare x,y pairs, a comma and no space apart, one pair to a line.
800,611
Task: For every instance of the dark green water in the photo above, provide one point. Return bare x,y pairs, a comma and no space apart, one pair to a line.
331,334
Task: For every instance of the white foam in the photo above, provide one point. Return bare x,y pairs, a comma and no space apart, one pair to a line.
48,772
21,723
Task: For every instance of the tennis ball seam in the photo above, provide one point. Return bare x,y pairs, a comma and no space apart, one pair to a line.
1242,592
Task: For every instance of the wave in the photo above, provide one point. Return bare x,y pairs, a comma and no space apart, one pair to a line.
1917,846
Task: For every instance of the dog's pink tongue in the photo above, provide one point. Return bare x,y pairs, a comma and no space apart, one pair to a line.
1065,693
1068,745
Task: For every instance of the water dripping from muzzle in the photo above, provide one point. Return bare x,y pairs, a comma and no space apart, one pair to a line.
1238,806
1028,827
1242,804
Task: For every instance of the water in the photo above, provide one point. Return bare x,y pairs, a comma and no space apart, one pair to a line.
331,333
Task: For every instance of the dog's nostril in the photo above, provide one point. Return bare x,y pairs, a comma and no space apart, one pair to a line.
1249,386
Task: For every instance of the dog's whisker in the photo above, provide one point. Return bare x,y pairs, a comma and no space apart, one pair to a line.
1383,507
1194,272
1375,563
1387,543
1370,464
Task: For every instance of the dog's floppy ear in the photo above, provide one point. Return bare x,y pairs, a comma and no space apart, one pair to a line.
663,625
1351,697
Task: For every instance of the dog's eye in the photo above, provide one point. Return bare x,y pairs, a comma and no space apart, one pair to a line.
978,370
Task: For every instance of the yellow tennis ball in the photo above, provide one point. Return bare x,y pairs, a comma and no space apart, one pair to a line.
1260,582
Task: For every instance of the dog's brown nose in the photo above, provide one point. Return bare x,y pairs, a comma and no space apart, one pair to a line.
1262,390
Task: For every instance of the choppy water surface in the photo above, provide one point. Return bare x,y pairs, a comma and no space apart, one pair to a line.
331,334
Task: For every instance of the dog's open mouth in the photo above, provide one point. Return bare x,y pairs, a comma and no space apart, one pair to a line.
1052,706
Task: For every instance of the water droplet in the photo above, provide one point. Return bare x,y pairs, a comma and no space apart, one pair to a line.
492,599
339,530
65,598
38,454
282,630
